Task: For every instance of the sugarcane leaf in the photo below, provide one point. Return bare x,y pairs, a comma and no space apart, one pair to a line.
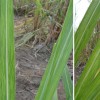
89,81
85,29
57,62
7,58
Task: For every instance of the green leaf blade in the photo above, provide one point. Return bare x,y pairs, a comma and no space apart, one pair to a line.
7,58
86,28
58,59
89,75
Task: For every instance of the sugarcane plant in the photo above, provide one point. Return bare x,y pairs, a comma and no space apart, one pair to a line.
7,56
55,66
88,84
60,54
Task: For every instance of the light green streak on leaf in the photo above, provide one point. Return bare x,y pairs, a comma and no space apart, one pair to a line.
55,96
68,86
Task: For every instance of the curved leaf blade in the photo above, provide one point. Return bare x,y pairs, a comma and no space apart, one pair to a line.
58,59
89,76
86,28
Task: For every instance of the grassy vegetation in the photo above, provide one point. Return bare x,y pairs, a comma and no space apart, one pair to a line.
46,17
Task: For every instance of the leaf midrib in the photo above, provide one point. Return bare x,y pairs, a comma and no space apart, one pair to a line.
7,78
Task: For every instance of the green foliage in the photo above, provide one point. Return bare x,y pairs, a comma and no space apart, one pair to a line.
38,7
89,82
84,31
7,58
88,85
58,59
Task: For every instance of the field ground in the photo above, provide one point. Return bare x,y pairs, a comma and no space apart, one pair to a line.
29,70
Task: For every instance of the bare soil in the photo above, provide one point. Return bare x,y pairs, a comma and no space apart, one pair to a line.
30,66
